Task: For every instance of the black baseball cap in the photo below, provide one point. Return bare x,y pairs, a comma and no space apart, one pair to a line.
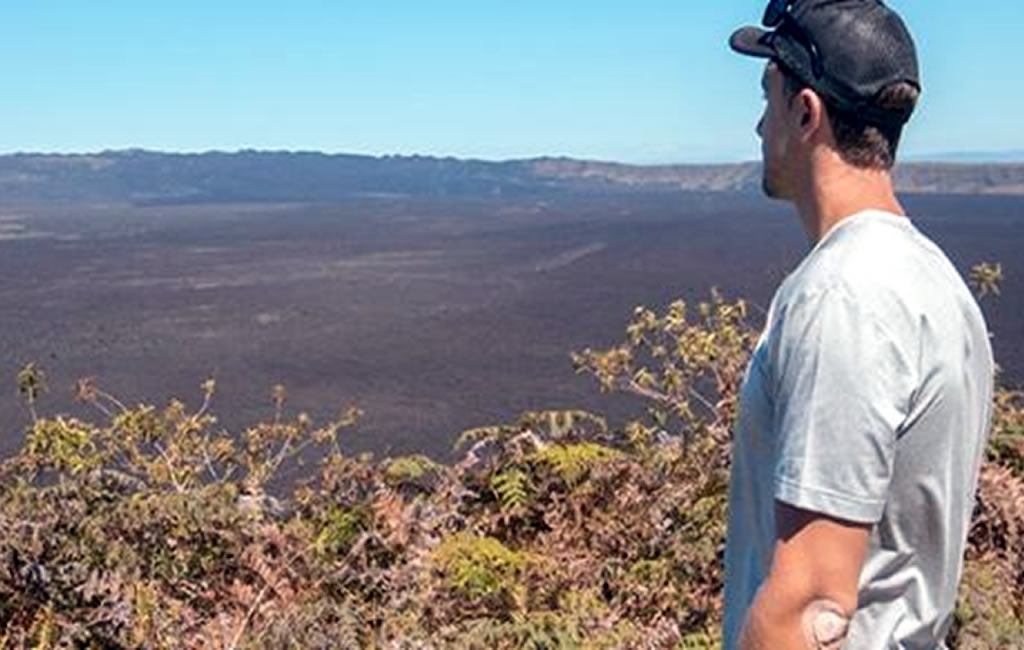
846,50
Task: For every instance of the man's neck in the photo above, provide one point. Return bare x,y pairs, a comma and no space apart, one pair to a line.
835,190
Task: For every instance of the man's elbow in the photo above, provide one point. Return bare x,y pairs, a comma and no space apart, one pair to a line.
786,616
826,624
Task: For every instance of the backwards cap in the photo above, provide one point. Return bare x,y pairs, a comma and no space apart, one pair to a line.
848,51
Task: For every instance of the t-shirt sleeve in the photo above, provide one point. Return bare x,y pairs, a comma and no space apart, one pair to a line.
842,390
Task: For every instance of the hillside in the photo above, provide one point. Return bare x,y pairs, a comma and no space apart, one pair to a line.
143,176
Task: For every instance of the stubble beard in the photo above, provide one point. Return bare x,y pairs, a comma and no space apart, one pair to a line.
773,179
769,183
766,185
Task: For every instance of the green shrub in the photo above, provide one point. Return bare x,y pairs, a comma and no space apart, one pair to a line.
481,567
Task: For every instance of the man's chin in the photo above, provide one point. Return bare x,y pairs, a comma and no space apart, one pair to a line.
769,188
772,188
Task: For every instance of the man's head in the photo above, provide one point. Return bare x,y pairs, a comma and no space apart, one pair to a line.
841,74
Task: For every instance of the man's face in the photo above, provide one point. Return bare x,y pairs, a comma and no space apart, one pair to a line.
773,128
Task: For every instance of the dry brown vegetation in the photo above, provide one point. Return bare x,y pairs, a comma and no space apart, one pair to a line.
154,528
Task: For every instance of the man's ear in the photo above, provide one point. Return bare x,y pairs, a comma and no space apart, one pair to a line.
808,113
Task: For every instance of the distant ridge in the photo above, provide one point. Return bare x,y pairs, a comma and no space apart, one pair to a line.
148,176
973,157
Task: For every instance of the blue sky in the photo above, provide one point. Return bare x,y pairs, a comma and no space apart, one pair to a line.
642,81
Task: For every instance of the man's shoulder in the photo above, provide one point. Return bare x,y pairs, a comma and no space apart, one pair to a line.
879,278
876,258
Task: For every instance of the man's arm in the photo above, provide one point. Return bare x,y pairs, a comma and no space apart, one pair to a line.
810,594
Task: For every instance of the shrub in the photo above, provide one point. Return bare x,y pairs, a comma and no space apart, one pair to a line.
153,528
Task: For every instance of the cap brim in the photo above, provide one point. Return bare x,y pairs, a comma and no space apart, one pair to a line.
752,41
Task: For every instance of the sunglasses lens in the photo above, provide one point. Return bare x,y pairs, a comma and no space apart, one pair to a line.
774,12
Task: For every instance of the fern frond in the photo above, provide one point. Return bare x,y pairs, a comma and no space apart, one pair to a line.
573,462
512,487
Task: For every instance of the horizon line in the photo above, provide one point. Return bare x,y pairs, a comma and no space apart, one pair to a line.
966,157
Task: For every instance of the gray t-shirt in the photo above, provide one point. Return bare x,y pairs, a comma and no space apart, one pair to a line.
867,398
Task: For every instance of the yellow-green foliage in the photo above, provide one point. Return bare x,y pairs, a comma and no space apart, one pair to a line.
526,631
340,529
44,629
1006,442
704,518
67,442
412,467
512,487
481,567
686,362
549,425
986,278
702,640
572,462
985,610
651,571
556,425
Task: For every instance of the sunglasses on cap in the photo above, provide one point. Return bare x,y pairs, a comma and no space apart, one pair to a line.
777,15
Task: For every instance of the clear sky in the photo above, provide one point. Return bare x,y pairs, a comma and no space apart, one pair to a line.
639,81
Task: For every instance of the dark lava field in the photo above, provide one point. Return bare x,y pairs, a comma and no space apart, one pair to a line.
433,315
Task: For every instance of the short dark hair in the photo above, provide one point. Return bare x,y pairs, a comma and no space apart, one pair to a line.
860,143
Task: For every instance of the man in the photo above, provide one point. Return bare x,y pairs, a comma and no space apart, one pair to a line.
865,408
